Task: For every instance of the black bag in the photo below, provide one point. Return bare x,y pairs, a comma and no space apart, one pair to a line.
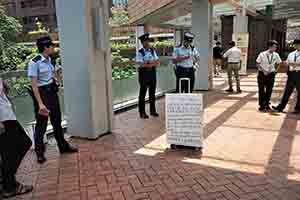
55,86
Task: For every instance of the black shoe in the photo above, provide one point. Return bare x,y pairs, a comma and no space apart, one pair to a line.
268,108
144,116
229,90
239,91
41,159
69,149
21,189
155,114
261,109
277,109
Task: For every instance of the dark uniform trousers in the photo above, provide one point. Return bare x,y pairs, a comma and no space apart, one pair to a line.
50,99
147,80
14,144
183,72
293,82
265,88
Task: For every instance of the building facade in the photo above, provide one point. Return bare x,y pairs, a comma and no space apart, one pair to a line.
27,11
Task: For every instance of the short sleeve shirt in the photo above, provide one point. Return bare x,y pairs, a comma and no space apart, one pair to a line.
181,52
41,68
6,110
234,55
294,57
150,55
268,61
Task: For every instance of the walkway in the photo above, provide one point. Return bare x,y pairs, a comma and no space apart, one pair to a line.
248,155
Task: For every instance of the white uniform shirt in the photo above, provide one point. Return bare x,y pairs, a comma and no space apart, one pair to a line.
181,52
41,68
294,57
6,110
150,55
268,61
233,55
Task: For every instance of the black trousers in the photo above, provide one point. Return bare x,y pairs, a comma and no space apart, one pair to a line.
182,72
51,101
147,80
293,82
14,144
265,88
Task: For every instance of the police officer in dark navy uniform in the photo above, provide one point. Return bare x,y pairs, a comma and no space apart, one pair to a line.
293,80
148,61
45,98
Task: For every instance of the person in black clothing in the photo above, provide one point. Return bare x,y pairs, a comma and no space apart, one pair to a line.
14,144
293,80
148,61
217,54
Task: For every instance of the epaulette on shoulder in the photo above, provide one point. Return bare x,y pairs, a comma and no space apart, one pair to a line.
37,58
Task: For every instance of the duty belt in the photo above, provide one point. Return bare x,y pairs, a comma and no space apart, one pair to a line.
295,69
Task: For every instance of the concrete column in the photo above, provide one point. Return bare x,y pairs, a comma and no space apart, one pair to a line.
86,60
240,24
240,30
139,30
178,36
202,28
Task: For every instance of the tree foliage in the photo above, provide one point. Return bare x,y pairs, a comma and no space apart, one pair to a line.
9,30
119,17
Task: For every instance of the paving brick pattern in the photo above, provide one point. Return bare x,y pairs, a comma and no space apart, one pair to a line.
247,156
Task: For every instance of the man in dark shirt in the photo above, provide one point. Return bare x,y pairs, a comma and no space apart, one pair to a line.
217,53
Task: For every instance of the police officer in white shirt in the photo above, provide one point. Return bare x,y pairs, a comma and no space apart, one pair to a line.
148,61
185,58
45,99
233,56
14,144
266,64
293,81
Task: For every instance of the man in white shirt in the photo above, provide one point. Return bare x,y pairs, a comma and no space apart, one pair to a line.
293,81
14,144
233,56
266,64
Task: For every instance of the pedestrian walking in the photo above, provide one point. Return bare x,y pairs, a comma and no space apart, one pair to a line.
217,54
14,144
233,56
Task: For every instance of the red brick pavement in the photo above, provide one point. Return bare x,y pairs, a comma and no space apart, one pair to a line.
248,156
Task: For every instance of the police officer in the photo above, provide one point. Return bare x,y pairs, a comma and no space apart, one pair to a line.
45,99
266,64
185,57
148,61
293,80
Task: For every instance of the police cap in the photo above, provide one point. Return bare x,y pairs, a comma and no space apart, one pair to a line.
145,37
297,41
188,36
44,41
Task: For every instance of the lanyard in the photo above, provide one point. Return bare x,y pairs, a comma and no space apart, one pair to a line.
270,61
296,57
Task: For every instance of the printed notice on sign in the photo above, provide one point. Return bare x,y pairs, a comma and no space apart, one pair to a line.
184,119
